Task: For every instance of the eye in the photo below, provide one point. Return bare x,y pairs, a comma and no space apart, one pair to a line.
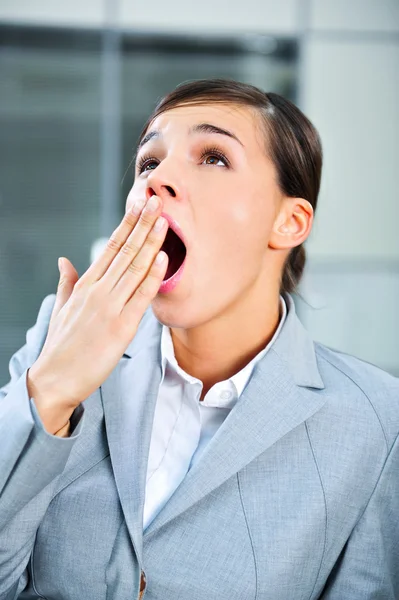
146,163
213,156
211,159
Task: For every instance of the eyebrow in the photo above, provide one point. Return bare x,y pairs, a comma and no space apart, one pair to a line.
199,128
149,136
208,128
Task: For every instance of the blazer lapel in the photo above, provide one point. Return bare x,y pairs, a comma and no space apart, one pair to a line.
281,394
270,407
129,397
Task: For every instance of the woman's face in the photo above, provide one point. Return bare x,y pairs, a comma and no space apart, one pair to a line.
209,166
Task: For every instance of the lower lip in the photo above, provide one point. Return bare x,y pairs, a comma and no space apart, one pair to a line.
170,284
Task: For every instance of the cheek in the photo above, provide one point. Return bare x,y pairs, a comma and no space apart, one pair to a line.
234,243
249,220
136,192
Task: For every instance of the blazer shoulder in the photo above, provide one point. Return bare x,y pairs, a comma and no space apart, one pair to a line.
353,376
35,338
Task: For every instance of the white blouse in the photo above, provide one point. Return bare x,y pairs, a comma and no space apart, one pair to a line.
183,425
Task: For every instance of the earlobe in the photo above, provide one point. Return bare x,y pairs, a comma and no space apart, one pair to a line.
292,225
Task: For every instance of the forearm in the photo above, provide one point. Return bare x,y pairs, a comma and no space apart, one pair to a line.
31,457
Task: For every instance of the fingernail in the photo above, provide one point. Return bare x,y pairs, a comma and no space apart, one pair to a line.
159,223
152,204
160,257
137,207
60,262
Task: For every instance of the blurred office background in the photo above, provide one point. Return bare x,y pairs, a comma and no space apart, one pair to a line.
78,79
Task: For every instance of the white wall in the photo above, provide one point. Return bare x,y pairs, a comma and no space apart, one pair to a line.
208,15
349,87
355,15
350,90
173,15
351,94
87,13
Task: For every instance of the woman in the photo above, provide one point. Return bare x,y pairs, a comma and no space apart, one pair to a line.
203,447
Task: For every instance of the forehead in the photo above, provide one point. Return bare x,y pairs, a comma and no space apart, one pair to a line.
240,120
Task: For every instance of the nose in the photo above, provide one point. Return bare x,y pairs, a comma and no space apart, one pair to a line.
163,183
163,191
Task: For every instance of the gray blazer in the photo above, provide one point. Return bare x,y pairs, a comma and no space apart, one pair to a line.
295,498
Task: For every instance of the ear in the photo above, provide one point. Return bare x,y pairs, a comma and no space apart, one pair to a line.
292,225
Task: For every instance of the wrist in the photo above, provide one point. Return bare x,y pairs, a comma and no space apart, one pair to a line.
54,412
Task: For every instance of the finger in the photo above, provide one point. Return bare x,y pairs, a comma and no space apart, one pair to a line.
99,267
134,243
147,290
68,278
139,268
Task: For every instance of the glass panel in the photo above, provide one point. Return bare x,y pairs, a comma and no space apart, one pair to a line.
49,172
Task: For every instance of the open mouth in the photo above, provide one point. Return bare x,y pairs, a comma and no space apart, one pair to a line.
176,251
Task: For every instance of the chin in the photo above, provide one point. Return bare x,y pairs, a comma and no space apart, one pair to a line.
174,312
186,310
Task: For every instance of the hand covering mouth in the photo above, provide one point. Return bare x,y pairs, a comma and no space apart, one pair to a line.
174,248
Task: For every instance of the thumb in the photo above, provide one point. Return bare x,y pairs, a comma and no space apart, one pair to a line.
68,277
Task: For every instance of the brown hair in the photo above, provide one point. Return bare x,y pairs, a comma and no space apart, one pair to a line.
291,140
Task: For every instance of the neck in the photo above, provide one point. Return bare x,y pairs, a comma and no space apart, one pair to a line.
218,349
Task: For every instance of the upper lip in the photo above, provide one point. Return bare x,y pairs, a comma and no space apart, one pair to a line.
174,225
